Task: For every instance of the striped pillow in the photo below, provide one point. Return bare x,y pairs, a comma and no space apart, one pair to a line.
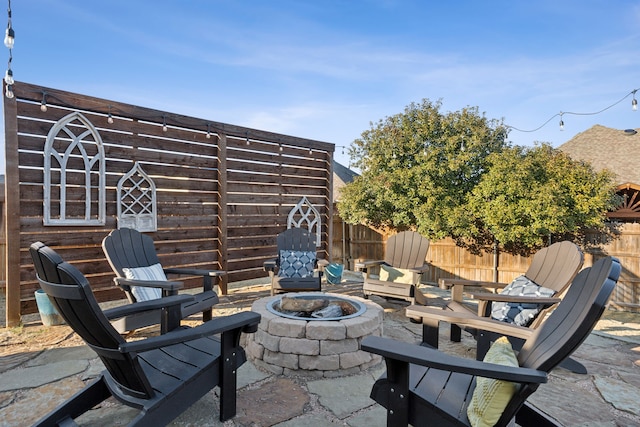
152,272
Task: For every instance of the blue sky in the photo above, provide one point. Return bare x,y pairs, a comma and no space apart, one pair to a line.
326,69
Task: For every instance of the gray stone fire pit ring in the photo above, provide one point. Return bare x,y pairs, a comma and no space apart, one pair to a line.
359,306
325,348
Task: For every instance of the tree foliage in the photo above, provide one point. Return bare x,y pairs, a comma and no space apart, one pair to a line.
530,195
454,175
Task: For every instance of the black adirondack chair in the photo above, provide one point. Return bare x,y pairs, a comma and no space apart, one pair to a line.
126,248
423,386
301,241
161,376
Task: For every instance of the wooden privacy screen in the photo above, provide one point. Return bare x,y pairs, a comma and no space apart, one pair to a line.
223,192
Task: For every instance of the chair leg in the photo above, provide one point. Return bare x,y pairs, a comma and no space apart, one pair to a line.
92,394
229,343
207,286
456,333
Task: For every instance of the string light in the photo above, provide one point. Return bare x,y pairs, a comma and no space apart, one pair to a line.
208,131
9,40
634,106
248,140
9,34
164,123
110,117
43,103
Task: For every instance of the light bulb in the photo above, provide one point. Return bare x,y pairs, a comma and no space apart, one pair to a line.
110,119
9,91
9,37
8,77
43,104
561,125
164,128
634,104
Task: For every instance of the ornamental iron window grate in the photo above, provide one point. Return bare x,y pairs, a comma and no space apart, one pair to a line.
304,213
74,173
137,201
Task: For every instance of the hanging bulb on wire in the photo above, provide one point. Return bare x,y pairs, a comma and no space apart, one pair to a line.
8,77
634,102
110,117
164,123
9,91
208,131
43,104
9,37
561,122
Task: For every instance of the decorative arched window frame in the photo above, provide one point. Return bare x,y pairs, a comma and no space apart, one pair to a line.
93,162
137,201
307,215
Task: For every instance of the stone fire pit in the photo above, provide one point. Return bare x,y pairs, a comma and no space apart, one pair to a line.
314,346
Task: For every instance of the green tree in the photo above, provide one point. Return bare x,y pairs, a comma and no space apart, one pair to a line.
454,175
530,195
418,166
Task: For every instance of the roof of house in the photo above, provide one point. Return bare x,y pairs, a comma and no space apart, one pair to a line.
607,148
341,175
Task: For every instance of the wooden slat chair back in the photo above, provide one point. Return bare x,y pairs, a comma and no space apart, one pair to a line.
554,267
70,293
160,376
126,248
299,240
438,387
407,251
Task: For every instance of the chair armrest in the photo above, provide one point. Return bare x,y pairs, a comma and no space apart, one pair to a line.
154,304
363,265
449,283
432,358
164,285
195,272
421,269
247,321
485,296
430,315
270,265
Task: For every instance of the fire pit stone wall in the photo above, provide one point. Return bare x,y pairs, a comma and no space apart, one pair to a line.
320,348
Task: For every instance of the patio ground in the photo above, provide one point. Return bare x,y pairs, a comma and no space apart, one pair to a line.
41,366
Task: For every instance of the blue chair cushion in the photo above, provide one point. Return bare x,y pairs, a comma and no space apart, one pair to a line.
297,264
520,313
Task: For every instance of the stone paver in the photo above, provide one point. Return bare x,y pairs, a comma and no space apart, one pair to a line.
34,382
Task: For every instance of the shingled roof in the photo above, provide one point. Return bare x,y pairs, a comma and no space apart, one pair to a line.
341,175
607,148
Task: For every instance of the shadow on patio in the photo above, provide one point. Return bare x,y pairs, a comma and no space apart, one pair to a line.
40,366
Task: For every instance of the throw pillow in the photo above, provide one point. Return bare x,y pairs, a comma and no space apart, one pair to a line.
396,275
297,264
491,396
515,312
152,272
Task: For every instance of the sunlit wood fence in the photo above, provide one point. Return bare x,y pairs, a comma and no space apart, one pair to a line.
223,192
353,243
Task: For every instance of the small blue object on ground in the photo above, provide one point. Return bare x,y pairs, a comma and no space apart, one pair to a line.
333,272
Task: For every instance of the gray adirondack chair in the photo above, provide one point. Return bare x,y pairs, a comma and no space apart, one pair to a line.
552,267
126,248
424,386
406,250
299,244
161,376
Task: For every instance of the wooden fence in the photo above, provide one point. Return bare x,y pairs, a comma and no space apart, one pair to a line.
357,243
223,191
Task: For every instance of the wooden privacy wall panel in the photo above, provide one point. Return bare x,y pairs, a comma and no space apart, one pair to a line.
219,201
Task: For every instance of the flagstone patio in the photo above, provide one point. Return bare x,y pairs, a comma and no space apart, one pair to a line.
41,366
